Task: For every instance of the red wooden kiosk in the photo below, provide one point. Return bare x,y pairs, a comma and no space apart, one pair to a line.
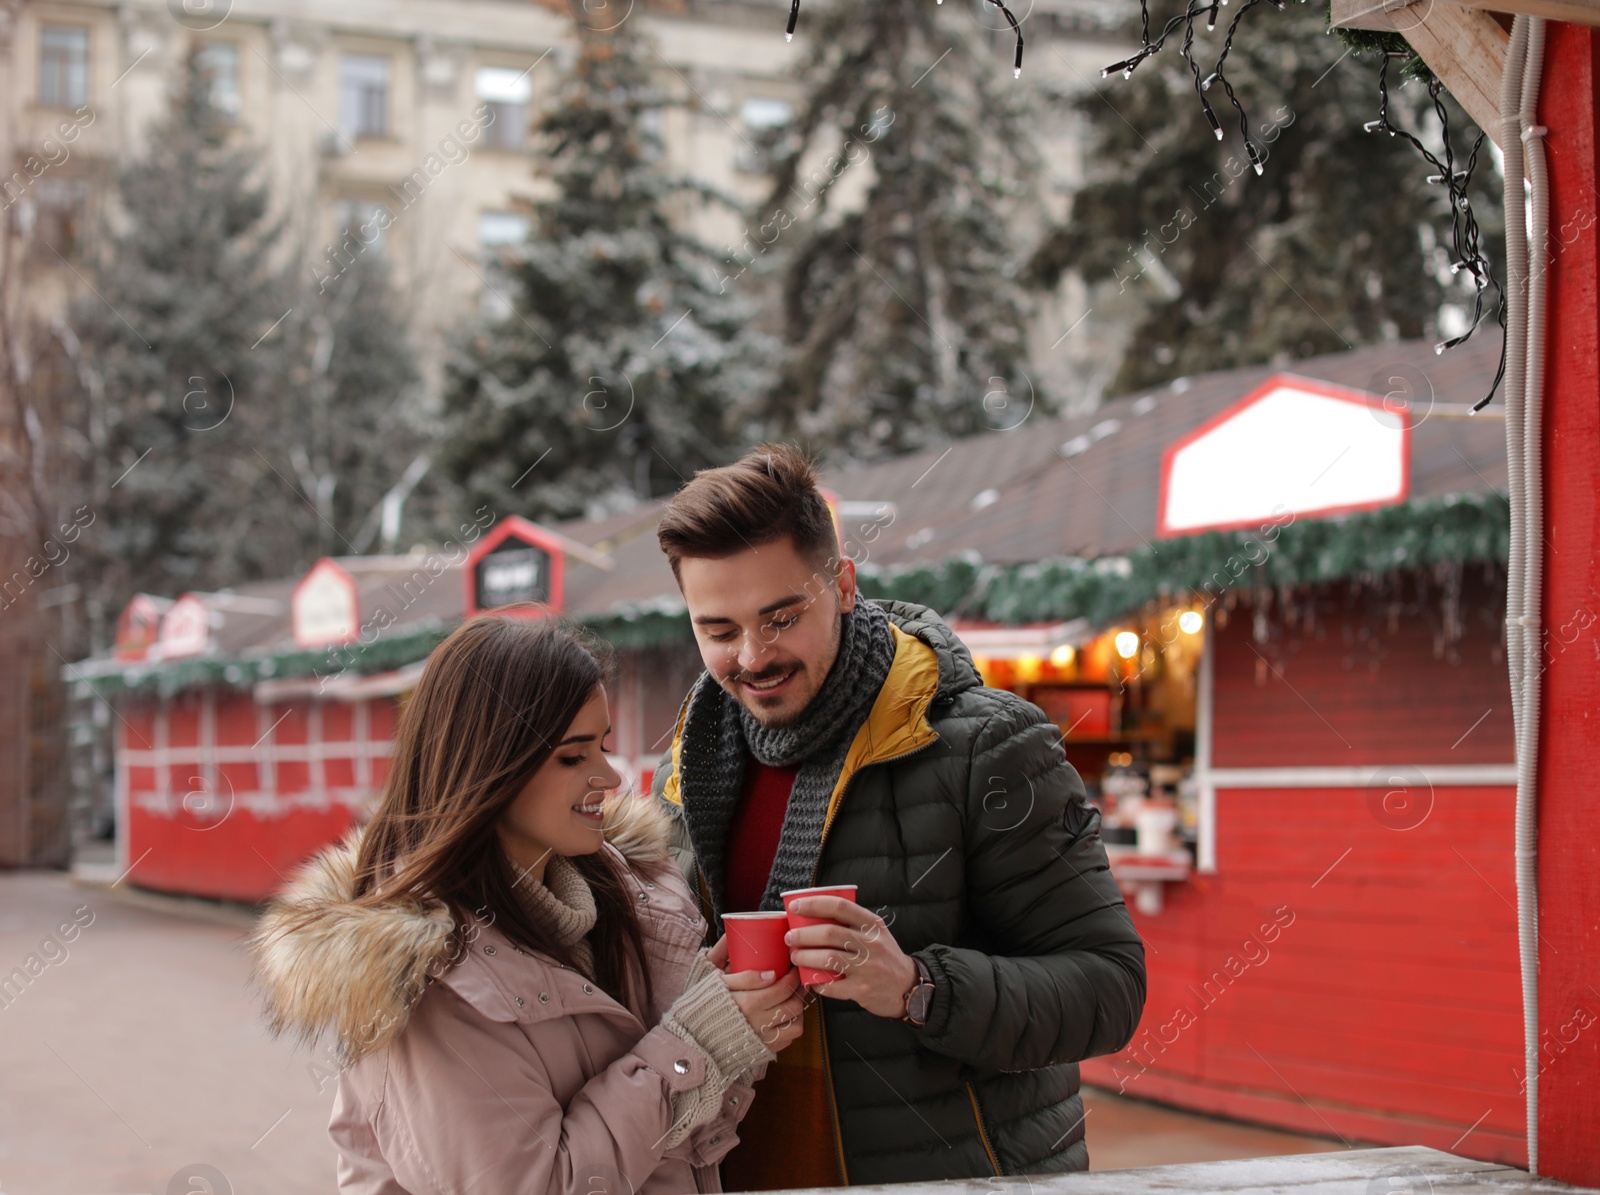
1465,43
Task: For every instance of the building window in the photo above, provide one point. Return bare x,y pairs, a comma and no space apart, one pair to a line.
219,64
499,229
63,66
506,93
766,134
365,219
62,207
363,96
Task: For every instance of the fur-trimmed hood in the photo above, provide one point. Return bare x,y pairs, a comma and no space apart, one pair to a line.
325,963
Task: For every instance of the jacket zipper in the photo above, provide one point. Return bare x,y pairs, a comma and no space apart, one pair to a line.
822,1019
983,1131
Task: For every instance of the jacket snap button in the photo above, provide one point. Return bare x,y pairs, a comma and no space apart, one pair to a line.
520,1001
544,997
681,1066
488,950
587,990
716,1140
651,887
734,1100
644,898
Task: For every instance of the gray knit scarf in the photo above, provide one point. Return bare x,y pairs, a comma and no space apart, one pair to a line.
717,731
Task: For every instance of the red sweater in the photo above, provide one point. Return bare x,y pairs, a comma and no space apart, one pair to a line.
753,834
788,1139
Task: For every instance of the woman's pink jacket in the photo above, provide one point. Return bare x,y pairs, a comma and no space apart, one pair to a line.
479,1067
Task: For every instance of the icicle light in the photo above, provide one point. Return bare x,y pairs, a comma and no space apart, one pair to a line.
1465,237
1016,65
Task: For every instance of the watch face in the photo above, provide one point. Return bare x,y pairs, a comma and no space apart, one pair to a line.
921,1000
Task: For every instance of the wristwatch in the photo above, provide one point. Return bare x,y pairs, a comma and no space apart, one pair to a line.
919,1000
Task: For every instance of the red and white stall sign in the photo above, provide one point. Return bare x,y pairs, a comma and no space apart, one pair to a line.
139,625
185,629
324,609
1293,446
518,561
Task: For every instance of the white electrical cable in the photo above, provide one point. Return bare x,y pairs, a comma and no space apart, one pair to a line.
1532,513
1525,319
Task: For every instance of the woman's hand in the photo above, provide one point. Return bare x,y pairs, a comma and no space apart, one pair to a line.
771,1004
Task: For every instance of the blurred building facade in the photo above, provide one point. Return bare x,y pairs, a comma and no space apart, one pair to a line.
420,109
426,108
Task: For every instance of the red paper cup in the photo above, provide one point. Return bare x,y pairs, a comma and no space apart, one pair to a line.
814,975
755,942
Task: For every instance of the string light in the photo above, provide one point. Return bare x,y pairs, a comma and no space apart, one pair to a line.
1016,65
1186,20
1465,236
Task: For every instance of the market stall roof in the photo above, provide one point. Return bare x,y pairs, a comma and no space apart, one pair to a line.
1053,522
1084,487
402,606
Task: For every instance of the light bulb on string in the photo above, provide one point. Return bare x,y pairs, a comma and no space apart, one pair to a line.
1255,155
1210,79
1016,64
1211,118
794,15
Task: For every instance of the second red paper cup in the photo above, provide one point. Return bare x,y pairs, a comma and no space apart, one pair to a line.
755,942
812,975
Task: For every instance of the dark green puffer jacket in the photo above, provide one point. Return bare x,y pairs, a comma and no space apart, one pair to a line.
964,827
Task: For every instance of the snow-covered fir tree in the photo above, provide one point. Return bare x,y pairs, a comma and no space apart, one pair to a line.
1340,242
901,311
183,289
228,422
623,364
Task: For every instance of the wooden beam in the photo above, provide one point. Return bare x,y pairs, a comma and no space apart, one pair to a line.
1465,47
1579,12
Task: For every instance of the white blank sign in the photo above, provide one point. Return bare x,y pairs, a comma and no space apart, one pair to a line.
1293,446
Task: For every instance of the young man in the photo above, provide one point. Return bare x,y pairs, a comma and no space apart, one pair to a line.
835,740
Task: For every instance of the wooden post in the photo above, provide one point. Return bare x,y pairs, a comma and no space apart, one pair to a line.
1569,747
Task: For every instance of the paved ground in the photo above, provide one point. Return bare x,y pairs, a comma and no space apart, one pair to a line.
136,1055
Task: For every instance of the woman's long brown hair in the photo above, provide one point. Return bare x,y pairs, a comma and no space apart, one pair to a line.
494,699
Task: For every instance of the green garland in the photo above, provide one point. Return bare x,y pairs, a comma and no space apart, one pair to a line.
164,679
1454,529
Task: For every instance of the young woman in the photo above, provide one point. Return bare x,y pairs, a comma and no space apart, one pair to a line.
510,964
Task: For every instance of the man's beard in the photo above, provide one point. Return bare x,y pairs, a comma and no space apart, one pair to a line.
774,720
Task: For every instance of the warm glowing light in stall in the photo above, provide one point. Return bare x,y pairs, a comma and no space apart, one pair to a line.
1062,656
1127,644
1191,621
1030,669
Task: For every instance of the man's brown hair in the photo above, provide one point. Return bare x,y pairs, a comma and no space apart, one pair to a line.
767,495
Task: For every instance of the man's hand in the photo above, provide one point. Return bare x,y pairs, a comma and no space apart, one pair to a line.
877,974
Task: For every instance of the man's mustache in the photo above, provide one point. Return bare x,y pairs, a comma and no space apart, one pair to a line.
772,673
